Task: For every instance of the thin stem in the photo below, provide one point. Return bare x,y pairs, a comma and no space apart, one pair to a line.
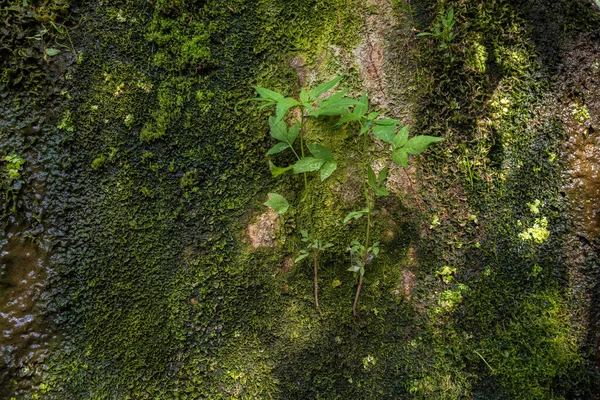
302,132
315,263
368,235
316,281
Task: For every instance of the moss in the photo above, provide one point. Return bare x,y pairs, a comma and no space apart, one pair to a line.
159,297
99,162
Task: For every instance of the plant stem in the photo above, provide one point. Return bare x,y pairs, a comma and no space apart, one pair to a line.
368,235
315,264
302,132
316,281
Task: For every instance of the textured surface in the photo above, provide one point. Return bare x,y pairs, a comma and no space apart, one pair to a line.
133,246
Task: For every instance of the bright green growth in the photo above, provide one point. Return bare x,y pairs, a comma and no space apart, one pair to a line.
99,162
14,166
581,113
321,159
538,233
446,274
443,30
386,130
310,106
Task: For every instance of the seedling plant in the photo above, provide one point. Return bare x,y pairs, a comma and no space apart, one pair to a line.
370,125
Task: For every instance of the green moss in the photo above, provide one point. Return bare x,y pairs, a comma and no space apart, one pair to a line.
99,162
158,294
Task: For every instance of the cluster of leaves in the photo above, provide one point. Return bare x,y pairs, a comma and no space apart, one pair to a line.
311,244
13,166
14,182
443,30
321,160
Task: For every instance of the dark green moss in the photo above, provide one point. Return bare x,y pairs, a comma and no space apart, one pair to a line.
158,295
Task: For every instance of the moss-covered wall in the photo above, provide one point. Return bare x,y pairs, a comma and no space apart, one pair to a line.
154,167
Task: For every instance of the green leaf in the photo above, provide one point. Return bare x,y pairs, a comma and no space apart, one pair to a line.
387,121
278,203
400,157
381,191
365,128
304,96
308,164
293,133
418,144
349,117
301,257
382,176
278,129
372,115
401,138
356,215
385,132
327,245
372,178
322,88
320,151
425,34
267,94
362,106
278,148
52,52
327,169
282,106
333,107
276,171
354,268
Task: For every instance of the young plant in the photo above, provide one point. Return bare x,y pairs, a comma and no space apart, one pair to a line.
310,106
313,247
386,130
443,31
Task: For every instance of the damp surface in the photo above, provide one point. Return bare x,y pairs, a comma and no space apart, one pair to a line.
25,336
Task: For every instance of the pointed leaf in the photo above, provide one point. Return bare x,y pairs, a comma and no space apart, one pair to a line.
322,88
327,169
278,148
282,107
304,96
301,257
276,171
308,164
382,176
52,52
278,203
362,106
400,157
372,178
381,191
267,94
372,115
401,138
292,134
278,129
349,117
387,121
320,151
418,144
385,132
